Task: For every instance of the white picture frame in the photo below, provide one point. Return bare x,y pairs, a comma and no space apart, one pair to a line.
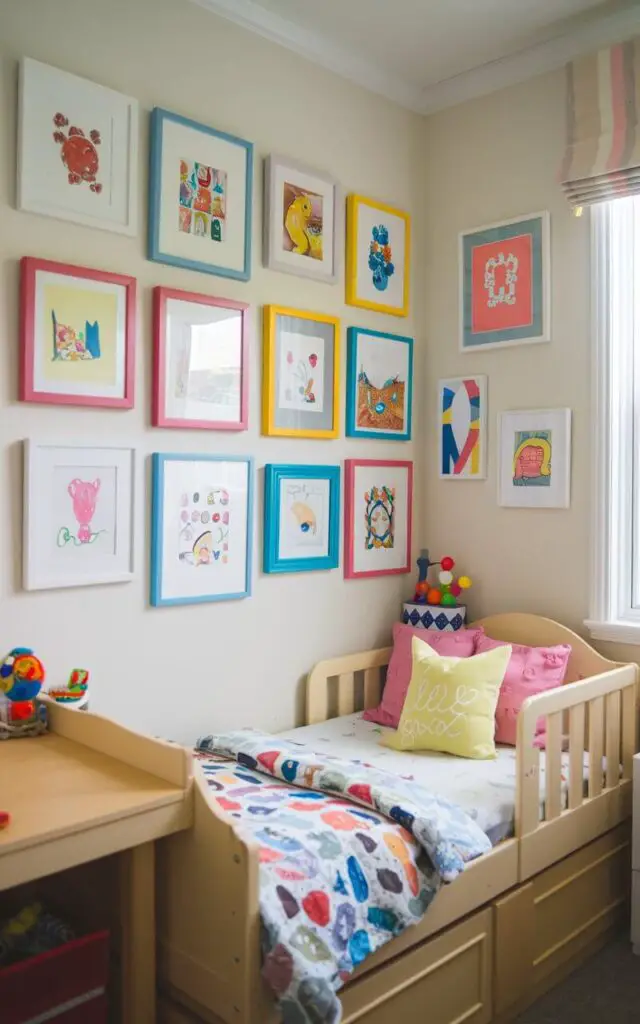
77,150
78,515
535,458
461,456
317,227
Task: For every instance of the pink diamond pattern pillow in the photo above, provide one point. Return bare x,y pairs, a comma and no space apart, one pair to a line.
530,670
461,644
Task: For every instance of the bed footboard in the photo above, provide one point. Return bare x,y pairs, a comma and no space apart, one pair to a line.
598,716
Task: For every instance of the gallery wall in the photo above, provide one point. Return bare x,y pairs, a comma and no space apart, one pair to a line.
179,671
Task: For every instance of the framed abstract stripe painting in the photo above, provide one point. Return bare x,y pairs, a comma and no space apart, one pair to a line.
505,284
462,428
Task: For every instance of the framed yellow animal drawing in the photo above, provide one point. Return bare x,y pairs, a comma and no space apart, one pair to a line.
378,251
302,220
301,374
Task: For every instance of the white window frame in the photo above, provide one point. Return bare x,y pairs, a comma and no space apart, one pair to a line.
615,265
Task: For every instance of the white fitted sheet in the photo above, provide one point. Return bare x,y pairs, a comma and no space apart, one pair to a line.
486,790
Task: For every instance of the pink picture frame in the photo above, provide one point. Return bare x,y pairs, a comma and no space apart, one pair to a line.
77,347
204,393
378,517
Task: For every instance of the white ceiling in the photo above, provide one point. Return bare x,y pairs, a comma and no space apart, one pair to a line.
426,54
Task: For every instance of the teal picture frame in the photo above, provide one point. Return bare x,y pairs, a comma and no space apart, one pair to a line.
276,558
354,372
157,196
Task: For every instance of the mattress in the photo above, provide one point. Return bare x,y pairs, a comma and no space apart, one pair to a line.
486,790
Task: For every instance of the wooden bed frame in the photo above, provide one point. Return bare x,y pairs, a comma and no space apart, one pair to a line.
510,927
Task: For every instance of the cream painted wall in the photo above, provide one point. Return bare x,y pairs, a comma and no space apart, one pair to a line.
178,671
490,160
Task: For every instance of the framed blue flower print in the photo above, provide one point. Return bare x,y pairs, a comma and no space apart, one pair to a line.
301,518
379,385
200,194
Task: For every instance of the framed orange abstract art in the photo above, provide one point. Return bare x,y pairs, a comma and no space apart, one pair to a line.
505,284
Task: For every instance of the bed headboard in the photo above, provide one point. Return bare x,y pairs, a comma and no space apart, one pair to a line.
354,682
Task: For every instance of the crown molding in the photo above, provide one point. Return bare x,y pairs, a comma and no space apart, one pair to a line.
480,81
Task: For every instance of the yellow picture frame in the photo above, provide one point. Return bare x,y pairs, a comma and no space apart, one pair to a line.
278,421
361,293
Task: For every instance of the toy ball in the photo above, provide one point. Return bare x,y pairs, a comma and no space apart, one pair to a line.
445,578
434,596
447,563
455,589
448,601
422,588
21,674
464,582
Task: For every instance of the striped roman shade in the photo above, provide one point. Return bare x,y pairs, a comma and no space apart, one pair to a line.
602,160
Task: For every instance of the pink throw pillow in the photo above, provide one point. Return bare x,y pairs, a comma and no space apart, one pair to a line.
530,670
461,644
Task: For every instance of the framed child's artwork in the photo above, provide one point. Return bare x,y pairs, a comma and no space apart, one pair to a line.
379,385
77,149
462,428
378,515
302,220
378,251
200,365
77,335
301,373
200,197
202,528
505,284
301,518
535,459
78,515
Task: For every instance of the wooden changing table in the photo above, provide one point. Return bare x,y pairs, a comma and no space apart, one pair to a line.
90,789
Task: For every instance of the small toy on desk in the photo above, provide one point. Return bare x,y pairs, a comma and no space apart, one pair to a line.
5,819
21,677
76,693
443,596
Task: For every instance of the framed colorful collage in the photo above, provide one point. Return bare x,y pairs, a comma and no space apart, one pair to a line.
379,385
301,518
505,283
378,517
378,250
462,428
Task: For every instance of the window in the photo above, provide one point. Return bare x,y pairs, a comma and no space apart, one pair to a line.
615,596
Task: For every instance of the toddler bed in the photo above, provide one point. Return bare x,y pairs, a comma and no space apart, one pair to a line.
514,920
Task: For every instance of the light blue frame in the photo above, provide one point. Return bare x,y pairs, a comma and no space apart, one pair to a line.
352,387
273,475
158,116
158,461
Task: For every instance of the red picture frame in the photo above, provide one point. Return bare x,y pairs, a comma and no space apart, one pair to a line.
101,354
355,566
161,415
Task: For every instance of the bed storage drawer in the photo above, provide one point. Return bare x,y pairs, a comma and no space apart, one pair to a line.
447,979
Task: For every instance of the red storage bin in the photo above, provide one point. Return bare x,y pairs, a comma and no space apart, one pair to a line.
66,985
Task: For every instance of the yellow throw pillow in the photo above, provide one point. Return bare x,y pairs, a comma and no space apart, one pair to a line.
451,702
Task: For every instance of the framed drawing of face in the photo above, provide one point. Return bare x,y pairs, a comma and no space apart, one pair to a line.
202,525
301,518
200,197
200,371
303,220
535,458
77,335
378,517
379,385
301,374
78,515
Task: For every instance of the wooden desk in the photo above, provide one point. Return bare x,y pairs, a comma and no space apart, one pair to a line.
88,789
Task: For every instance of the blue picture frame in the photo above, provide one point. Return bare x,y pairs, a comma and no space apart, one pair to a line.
274,560
158,465
354,371
159,118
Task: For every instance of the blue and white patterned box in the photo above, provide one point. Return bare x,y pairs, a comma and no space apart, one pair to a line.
433,616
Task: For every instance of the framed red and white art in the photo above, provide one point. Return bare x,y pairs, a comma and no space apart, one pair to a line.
77,335
505,284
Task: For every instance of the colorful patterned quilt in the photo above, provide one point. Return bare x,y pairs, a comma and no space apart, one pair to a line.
350,856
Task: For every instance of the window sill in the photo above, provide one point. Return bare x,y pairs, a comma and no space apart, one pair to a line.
615,632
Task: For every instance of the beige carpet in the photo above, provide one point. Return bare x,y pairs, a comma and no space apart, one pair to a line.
605,990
